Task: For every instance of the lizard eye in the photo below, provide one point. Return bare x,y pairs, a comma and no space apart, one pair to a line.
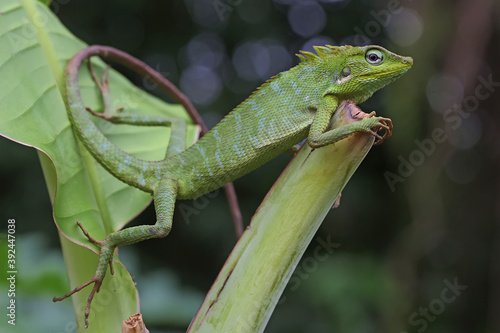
374,57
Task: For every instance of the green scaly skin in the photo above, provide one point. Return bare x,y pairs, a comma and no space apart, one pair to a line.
290,107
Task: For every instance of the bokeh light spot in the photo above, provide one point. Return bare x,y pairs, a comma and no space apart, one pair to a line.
201,84
257,61
306,18
405,28
206,49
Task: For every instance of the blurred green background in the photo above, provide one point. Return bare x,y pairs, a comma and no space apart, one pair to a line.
417,235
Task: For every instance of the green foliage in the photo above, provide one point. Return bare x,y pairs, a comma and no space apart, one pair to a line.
34,47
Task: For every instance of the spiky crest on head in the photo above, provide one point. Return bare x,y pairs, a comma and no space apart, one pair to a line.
323,52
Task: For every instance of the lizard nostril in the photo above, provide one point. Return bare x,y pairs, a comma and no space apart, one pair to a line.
408,60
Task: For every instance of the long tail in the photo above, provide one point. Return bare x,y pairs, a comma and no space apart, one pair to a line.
119,163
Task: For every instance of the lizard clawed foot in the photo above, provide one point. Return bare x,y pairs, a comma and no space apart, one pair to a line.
381,123
105,115
103,85
105,258
97,114
97,286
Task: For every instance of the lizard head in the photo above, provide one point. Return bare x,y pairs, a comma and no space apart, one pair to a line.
357,72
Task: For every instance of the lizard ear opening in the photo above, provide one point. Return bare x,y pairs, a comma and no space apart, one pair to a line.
346,72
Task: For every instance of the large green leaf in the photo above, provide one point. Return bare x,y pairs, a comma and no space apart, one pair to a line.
34,48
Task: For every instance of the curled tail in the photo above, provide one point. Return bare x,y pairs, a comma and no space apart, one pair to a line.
131,170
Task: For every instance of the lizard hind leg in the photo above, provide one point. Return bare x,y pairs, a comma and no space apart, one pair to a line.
164,199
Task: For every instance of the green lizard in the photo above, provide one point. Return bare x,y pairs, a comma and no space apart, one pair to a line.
290,107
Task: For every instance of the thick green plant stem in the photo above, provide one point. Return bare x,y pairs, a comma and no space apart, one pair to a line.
251,282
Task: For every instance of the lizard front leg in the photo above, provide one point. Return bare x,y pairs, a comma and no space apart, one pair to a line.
164,200
320,137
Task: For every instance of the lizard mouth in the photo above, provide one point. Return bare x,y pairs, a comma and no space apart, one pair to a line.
388,74
397,72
